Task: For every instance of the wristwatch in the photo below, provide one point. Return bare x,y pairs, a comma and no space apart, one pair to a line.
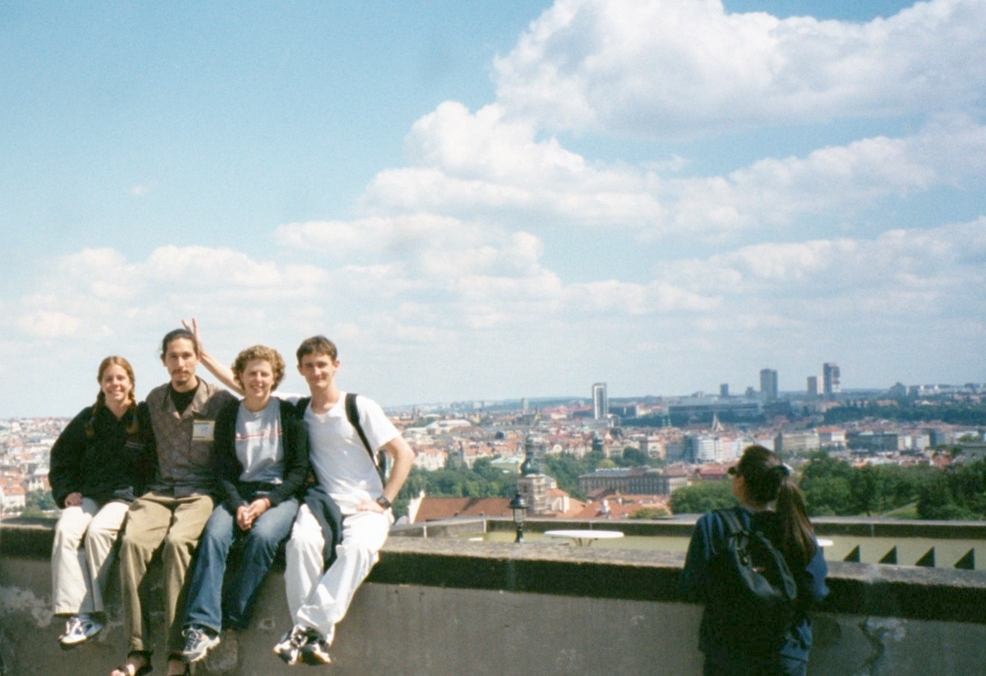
383,502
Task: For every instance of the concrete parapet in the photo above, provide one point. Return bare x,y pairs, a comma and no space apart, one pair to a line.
442,607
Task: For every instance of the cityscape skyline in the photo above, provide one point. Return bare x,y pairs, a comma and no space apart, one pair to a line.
490,201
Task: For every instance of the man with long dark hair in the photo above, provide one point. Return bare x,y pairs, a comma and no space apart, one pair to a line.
171,516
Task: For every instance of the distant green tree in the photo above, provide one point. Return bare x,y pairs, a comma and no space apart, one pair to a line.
905,410
41,500
821,464
36,503
864,491
833,487
702,497
565,468
633,457
826,495
650,513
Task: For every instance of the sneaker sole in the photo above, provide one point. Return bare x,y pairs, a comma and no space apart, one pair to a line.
290,658
75,644
312,659
196,656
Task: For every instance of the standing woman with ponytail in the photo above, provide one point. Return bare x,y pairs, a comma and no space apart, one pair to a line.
99,465
771,503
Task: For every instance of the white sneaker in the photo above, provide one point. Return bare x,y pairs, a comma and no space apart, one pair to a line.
316,652
78,630
290,645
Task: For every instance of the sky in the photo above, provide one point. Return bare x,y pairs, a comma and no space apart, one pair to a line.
490,201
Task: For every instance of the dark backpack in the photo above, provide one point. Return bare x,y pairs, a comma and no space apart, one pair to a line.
352,415
754,600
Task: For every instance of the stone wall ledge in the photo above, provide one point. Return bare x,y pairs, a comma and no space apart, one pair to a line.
681,526
859,589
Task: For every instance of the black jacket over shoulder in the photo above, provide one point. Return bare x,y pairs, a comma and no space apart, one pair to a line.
229,469
113,462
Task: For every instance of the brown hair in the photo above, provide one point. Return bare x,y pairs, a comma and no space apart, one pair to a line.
767,479
113,360
317,345
261,352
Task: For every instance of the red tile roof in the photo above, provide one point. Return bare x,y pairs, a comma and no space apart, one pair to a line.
434,509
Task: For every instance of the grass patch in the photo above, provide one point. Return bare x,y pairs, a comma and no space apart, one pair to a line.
908,511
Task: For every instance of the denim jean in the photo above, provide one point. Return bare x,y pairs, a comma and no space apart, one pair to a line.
218,599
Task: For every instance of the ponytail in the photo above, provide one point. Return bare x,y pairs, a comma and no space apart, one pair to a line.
797,535
90,427
767,480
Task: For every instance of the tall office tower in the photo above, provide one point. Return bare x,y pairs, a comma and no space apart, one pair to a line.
812,386
600,402
768,383
724,390
830,377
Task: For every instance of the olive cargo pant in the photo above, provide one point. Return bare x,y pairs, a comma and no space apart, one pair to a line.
156,521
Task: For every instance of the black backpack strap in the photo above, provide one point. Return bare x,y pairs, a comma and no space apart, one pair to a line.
731,521
352,414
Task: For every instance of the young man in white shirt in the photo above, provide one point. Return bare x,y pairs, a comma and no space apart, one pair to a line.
318,598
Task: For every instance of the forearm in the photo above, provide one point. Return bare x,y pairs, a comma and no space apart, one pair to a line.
220,371
403,462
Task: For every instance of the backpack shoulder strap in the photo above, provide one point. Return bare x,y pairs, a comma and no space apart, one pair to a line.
302,405
730,520
352,414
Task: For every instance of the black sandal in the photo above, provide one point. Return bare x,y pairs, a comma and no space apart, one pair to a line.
177,657
146,669
141,671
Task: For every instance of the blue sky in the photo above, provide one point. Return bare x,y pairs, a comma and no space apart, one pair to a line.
481,200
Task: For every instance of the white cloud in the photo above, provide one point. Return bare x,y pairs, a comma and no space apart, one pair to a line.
94,292
46,324
482,166
909,275
489,313
665,68
403,234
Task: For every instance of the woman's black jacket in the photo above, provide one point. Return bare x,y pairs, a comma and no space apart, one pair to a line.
102,457
232,491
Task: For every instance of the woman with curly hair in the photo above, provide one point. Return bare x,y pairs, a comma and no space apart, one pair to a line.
261,460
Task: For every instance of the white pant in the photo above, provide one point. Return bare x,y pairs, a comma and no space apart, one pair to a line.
82,555
318,600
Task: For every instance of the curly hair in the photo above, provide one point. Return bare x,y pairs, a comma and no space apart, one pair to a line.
261,352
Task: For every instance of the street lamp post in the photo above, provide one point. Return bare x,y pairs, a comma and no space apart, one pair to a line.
519,508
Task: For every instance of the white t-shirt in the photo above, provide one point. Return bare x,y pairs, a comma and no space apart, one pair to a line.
260,443
338,456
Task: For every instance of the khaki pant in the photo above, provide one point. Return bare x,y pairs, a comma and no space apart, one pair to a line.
82,555
159,521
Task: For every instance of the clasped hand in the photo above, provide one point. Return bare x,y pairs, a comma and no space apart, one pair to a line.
247,514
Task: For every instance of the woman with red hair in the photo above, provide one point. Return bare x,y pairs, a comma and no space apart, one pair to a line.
99,465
